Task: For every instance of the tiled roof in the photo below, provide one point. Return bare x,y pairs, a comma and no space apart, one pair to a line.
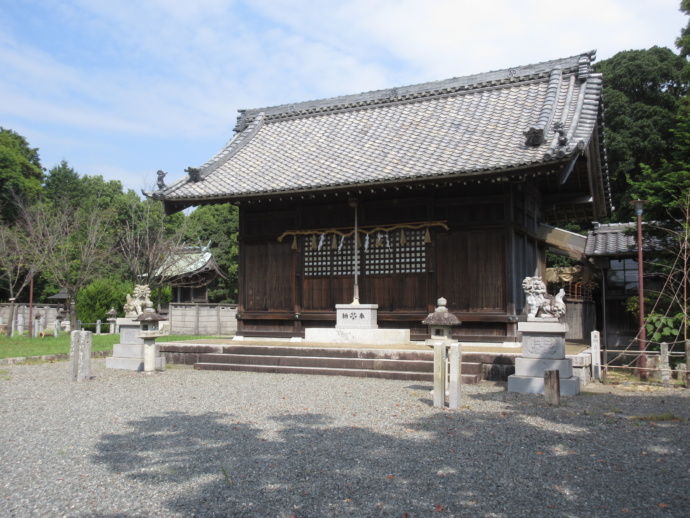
612,239
188,261
620,239
494,122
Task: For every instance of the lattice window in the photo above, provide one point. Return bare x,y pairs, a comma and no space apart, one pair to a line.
380,257
384,256
342,259
392,257
411,257
317,263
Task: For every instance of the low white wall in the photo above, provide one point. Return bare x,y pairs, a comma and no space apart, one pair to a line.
202,319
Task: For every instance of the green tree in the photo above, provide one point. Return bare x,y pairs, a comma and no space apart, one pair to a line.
21,173
219,224
642,95
665,186
683,41
95,299
63,185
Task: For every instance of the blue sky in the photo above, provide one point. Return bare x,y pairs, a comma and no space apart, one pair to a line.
124,88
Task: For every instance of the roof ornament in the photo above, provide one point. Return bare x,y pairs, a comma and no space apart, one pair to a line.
241,122
194,173
393,94
559,127
534,137
584,66
161,180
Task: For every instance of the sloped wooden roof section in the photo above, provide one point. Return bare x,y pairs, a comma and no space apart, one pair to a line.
497,122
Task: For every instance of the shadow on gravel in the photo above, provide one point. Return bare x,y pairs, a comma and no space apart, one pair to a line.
538,461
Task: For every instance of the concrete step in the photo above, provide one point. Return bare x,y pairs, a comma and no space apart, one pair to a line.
383,364
329,352
324,371
373,363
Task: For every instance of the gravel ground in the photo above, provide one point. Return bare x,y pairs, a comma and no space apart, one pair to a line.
204,443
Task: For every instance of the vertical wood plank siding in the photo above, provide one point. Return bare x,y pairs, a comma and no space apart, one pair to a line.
268,277
490,243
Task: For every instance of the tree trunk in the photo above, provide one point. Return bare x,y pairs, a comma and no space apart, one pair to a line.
8,331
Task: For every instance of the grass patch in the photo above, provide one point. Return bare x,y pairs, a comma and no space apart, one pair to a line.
5,375
21,346
228,480
657,417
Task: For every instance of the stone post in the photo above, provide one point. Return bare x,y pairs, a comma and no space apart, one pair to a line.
596,355
440,368
20,324
80,355
98,326
687,364
455,359
56,329
665,366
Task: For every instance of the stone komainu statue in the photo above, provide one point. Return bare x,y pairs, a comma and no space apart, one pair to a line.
138,302
541,304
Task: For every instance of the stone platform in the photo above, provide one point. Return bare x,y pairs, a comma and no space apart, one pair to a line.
543,349
357,324
129,353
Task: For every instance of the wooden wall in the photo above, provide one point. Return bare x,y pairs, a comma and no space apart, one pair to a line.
477,264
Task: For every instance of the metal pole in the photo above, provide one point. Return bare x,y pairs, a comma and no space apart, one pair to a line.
642,362
355,300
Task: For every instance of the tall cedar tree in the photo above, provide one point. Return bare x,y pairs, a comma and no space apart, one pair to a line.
642,95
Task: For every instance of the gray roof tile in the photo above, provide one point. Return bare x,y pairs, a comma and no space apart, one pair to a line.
611,239
454,127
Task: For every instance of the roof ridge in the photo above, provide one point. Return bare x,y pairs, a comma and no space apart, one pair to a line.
579,64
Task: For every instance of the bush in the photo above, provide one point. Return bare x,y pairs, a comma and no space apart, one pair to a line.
95,300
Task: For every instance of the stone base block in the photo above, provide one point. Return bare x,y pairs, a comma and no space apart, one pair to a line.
356,316
132,364
358,336
536,367
535,385
128,351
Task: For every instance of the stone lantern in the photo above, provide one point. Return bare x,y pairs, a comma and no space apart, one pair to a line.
441,323
150,330
112,319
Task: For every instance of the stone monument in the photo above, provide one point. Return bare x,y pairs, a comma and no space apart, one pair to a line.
129,353
543,343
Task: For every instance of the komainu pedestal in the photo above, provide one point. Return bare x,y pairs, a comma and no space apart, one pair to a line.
543,349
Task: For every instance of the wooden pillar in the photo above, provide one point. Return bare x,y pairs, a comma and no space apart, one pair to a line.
552,387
